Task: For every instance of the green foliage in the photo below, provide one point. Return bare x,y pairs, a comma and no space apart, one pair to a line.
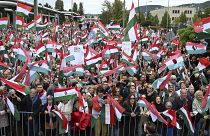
164,20
196,18
112,11
75,7
182,18
59,5
140,18
155,20
81,9
186,35
117,11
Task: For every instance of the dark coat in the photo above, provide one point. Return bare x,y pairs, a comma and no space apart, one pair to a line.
29,106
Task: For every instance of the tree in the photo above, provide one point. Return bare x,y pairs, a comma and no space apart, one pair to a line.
196,18
106,12
75,7
155,20
81,9
183,18
140,17
47,5
186,34
166,20
117,13
59,5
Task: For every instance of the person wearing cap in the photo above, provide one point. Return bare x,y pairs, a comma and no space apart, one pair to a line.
49,117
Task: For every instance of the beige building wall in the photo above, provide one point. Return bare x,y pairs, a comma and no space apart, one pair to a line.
175,12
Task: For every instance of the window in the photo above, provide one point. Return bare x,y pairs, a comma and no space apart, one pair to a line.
178,11
172,18
190,11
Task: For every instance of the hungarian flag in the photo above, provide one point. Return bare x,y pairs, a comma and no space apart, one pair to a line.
10,38
195,48
185,113
40,49
202,25
94,60
61,94
149,56
40,66
62,121
114,27
2,49
50,46
33,23
110,50
131,29
90,52
142,102
172,115
16,86
132,70
119,110
20,53
144,39
113,71
102,29
160,83
13,109
41,26
23,10
3,66
206,100
19,21
173,62
203,63
3,22
127,59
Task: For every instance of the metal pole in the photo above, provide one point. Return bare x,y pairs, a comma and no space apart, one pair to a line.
124,15
35,8
168,17
146,12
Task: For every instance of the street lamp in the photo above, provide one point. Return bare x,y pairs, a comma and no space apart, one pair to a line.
146,9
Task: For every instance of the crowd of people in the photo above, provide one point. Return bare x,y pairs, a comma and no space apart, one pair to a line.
86,113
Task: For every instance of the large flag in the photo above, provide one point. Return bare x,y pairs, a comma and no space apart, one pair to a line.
149,56
13,109
10,38
23,10
202,28
94,60
3,22
172,115
195,48
41,26
61,94
173,62
203,63
185,113
16,86
160,83
19,21
142,102
40,66
40,49
131,29
2,49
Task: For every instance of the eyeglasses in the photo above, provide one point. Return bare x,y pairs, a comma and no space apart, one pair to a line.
132,98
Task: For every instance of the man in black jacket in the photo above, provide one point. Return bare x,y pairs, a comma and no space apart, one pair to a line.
32,106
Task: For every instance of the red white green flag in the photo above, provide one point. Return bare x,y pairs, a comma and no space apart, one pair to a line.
19,21
3,22
23,10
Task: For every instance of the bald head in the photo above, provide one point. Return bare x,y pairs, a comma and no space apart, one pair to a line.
183,93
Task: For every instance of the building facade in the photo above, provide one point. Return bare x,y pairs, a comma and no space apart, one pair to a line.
175,12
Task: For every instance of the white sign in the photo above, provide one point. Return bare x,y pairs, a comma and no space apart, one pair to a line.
78,53
126,47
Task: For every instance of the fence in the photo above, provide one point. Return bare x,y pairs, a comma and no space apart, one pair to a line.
128,126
